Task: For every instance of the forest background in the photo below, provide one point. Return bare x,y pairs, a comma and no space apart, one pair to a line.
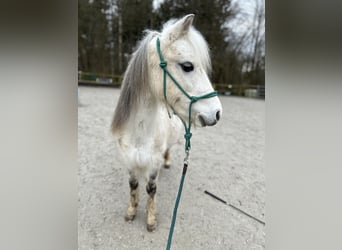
108,31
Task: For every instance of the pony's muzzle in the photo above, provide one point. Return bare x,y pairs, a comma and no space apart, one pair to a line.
209,119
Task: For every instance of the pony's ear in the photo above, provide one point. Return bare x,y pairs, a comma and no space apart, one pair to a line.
180,28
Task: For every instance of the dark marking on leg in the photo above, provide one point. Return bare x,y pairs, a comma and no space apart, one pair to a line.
167,159
133,183
134,197
154,175
151,188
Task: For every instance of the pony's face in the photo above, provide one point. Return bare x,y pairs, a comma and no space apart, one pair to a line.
188,61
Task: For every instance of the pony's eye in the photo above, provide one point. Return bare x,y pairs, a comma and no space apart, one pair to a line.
187,66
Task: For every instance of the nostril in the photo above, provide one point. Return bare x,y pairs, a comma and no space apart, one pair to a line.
218,115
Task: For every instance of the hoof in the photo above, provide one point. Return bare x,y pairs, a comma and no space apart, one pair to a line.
167,166
151,227
129,217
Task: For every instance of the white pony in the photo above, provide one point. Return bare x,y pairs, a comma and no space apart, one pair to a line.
141,122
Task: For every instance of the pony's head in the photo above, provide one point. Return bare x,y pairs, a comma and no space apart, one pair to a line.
188,61
186,53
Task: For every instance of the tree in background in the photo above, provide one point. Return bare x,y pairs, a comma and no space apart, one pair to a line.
110,29
258,40
93,36
131,19
248,44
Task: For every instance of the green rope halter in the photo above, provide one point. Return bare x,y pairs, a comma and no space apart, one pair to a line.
187,135
193,99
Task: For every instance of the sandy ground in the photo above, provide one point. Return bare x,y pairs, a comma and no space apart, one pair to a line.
227,160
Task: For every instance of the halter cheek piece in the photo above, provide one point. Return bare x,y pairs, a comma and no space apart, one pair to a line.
193,99
187,135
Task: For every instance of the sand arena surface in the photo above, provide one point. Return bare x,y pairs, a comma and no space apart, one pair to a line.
227,160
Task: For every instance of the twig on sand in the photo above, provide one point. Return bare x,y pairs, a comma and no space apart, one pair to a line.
237,209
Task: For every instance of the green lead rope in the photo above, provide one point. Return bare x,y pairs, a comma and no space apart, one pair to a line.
187,135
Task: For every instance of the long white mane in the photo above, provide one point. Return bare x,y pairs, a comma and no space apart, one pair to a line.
135,84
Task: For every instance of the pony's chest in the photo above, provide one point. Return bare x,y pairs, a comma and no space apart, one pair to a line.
146,133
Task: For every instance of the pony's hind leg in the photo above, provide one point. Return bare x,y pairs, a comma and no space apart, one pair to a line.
167,158
134,198
151,189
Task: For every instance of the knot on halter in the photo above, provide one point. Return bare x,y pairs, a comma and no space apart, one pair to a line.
163,64
187,136
194,98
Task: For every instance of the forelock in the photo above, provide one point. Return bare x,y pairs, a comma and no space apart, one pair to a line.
197,41
201,48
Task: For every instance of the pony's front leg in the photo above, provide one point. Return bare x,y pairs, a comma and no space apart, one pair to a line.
134,198
151,189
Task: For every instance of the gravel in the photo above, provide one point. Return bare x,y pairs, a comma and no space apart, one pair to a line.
227,160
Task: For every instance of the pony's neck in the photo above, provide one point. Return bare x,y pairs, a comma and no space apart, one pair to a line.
147,115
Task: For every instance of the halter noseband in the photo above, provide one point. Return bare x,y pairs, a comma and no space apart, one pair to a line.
193,99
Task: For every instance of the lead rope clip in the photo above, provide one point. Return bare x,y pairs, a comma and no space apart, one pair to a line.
186,158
